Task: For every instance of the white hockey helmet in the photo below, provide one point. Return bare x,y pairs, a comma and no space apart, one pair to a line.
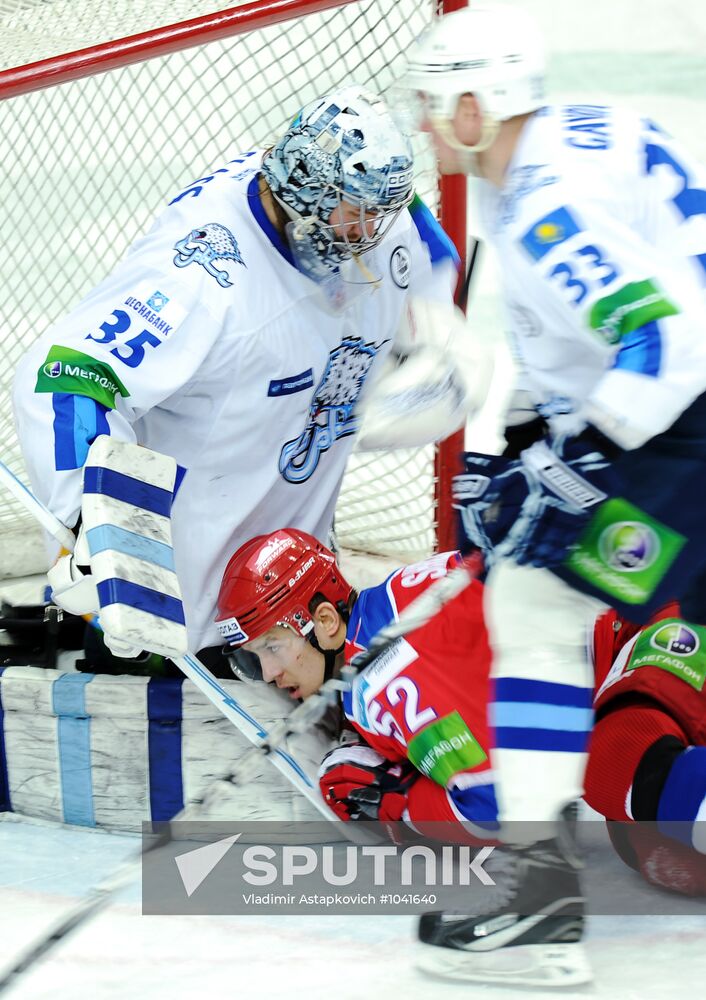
346,147
495,53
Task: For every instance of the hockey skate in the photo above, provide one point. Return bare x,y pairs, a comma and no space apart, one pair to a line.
532,936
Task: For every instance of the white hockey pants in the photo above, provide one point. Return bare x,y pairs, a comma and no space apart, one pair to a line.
543,690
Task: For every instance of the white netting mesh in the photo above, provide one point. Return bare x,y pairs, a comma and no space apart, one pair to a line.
88,163
38,29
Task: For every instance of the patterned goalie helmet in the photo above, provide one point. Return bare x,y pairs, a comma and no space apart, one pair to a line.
271,579
344,147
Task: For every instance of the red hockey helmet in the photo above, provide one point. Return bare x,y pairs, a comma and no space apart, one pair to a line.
270,581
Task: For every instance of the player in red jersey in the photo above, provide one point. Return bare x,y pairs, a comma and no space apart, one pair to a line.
286,612
421,708
647,760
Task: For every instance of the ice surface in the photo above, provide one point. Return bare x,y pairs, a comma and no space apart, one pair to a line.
646,53
121,953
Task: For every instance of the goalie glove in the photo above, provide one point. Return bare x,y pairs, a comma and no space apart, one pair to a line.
435,377
72,585
73,588
358,783
533,509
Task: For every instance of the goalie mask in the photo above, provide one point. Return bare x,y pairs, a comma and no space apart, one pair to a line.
342,149
269,581
494,53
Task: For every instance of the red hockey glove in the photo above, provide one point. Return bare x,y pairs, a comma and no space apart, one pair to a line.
358,783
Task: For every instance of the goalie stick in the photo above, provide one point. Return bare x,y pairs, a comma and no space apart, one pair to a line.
189,665
420,611
102,895
302,718
464,290
28,500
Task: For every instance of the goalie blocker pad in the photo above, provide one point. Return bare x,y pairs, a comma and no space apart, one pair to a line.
127,498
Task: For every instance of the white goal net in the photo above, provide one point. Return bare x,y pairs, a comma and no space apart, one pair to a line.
88,161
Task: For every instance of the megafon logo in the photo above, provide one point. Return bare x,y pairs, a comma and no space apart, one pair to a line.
52,369
675,638
628,546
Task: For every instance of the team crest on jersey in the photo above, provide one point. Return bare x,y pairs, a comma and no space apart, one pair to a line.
207,246
331,413
399,266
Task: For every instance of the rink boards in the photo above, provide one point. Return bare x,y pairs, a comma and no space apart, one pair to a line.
111,751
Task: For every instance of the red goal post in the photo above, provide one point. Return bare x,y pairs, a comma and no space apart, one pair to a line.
106,109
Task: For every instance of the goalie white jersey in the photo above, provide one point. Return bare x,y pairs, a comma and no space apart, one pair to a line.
207,344
610,214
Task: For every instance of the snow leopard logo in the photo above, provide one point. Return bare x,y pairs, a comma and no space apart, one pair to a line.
331,413
205,246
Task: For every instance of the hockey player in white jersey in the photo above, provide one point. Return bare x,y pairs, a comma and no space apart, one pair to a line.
599,221
237,336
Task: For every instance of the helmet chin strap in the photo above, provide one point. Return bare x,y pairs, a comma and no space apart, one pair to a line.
330,657
467,154
369,277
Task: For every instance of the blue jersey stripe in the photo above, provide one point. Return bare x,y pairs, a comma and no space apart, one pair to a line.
164,711
109,483
116,591
64,441
256,207
5,801
641,351
523,715
371,612
683,795
84,426
548,740
477,804
74,744
78,420
107,537
542,692
439,245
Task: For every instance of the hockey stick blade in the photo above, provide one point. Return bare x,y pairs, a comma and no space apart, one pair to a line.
310,711
97,899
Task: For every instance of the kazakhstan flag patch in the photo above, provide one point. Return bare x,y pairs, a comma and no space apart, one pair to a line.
548,232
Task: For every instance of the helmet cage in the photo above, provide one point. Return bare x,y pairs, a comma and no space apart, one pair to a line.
331,240
342,148
439,108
